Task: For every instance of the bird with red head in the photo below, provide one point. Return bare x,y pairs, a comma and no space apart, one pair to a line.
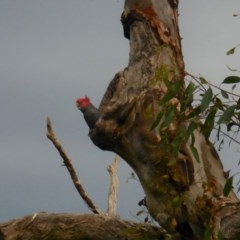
90,113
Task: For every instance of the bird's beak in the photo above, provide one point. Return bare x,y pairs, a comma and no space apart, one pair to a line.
77,105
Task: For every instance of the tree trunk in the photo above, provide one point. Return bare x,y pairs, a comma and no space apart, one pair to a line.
179,169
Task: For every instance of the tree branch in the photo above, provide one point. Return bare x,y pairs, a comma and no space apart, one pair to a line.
45,226
68,163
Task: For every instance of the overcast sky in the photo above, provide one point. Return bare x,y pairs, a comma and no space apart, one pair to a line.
54,51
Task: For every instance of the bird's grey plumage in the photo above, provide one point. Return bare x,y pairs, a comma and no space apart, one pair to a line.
91,115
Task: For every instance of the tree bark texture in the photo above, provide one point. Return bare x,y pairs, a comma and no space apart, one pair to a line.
43,226
182,176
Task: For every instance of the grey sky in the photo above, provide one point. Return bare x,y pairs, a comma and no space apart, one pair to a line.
53,52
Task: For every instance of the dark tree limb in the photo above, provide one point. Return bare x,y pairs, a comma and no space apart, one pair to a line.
43,226
68,163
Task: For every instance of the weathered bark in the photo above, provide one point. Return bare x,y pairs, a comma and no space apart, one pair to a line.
184,189
43,226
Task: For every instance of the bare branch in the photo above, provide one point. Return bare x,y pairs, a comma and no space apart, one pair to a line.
227,135
68,163
112,196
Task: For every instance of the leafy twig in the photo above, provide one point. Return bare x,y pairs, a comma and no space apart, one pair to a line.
212,85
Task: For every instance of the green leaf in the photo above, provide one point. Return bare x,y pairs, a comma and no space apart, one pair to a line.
233,87
188,96
218,103
195,112
195,153
228,186
167,97
208,125
218,132
203,80
170,116
238,104
176,143
231,51
207,98
176,86
194,149
157,120
224,94
173,90
192,126
231,80
190,89
227,115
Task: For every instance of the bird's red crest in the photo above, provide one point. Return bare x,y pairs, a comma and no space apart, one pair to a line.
83,102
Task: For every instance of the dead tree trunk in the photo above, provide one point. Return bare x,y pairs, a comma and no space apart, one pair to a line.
146,120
